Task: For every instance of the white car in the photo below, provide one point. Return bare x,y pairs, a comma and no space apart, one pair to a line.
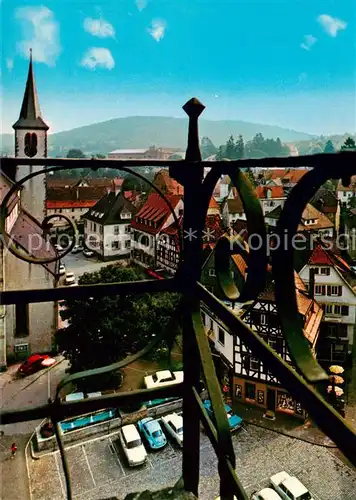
70,279
265,494
173,425
289,487
88,253
62,270
162,378
75,249
132,445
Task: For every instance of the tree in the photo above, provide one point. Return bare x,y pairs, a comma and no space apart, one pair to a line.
349,144
329,147
207,148
250,175
75,153
239,148
220,155
230,149
103,330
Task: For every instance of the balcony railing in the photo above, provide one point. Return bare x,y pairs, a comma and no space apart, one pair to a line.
302,380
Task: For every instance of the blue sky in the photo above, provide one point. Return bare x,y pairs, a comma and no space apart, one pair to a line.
285,62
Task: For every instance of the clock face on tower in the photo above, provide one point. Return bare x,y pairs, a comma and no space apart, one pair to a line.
30,144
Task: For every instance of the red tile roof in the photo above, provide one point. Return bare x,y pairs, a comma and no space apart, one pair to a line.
270,192
28,234
155,210
320,257
290,176
325,257
213,203
168,185
76,193
58,204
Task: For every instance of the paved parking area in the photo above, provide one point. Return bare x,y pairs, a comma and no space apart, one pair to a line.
99,468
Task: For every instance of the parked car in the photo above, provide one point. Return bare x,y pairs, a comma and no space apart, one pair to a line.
58,247
132,445
36,362
70,279
156,402
265,494
152,432
62,270
75,249
234,420
80,247
162,378
173,425
289,487
88,253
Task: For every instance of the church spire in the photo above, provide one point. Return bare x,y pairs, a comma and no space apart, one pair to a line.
30,114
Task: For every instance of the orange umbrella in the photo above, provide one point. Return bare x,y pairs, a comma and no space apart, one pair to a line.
336,379
336,369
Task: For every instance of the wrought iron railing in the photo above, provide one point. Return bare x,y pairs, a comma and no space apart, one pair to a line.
302,379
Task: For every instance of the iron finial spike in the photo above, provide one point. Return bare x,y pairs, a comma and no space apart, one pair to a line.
193,108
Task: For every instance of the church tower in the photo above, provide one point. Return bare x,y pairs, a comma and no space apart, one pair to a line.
31,142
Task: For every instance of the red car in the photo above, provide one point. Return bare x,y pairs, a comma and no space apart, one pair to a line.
36,362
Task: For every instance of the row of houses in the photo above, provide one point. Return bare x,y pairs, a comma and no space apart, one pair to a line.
328,308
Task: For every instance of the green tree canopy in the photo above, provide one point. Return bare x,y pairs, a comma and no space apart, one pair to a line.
349,143
230,148
239,148
104,330
75,153
329,147
207,148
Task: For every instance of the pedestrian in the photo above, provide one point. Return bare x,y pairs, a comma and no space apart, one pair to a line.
13,450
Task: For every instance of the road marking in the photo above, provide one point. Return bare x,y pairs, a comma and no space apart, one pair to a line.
88,464
59,474
116,456
149,461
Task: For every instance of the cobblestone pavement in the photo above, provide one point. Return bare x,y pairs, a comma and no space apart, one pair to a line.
98,468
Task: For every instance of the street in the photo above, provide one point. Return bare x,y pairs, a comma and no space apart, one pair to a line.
79,264
17,393
99,469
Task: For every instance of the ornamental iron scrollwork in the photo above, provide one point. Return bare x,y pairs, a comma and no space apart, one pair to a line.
196,351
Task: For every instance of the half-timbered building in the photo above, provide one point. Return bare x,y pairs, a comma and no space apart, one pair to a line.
335,291
252,382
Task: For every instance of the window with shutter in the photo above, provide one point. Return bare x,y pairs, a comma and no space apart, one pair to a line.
334,290
345,310
337,309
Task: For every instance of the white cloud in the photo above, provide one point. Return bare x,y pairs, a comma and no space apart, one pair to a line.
309,41
141,4
331,24
157,29
99,27
98,57
40,32
9,63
